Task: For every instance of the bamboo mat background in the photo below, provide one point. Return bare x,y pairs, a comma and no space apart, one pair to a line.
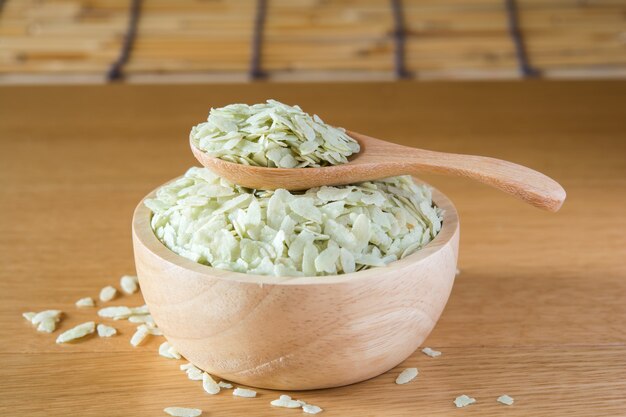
187,40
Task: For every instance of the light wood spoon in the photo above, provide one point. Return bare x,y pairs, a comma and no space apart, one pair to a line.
380,159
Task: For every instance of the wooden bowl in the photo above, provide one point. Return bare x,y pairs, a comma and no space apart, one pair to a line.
299,333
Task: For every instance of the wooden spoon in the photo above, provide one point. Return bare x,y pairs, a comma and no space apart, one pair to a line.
380,159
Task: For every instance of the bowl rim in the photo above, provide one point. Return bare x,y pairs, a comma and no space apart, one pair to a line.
143,233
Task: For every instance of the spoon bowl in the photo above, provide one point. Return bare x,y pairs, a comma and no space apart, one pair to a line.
380,159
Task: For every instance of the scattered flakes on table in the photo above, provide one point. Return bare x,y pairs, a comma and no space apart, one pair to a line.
183,412
431,352
107,293
406,376
115,313
106,331
129,284
506,400
77,332
209,384
286,402
311,409
141,318
463,401
139,336
226,385
85,302
244,392
192,371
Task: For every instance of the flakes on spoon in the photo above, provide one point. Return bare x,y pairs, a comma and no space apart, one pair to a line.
244,392
107,293
129,284
463,401
272,134
85,302
77,332
506,400
406,376
183,412
106,331
430,352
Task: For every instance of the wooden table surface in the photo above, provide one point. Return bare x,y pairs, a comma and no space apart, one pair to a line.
538,311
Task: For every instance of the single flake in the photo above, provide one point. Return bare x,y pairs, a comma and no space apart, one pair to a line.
244,392
85,302
209,384
286,402
107,293
226,385
505,399
129,284
47,325
406,376
463,401
106,331
183,412
141,318
139,336
311,409
430,352
117,313
77,332
141,310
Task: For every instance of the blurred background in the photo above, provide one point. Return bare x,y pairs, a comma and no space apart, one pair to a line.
95,41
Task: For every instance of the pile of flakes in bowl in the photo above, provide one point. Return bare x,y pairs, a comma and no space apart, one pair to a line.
323,231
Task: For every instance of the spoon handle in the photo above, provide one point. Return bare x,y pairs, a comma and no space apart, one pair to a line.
531,186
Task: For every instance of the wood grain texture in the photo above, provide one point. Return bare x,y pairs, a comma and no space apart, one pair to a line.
300,333
537,311
381,159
